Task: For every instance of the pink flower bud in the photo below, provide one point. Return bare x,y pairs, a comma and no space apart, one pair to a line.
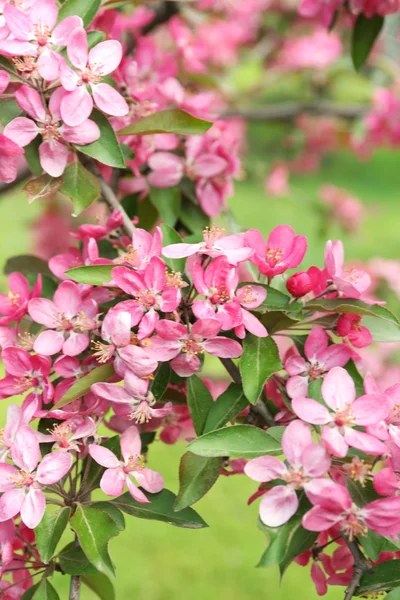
303,282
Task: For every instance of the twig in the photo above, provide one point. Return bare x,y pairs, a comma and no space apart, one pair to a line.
109,197
361,565
75,583
290,110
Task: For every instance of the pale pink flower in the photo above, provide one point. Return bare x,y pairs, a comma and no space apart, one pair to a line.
119,473
333,506
388,428
90,68
17,417
24,372
338,433
308,463
36,33
175,343
69,319
22,486
215,244
69,434
349,282
320,359
9,155
14,305
144,246
283,250
53,153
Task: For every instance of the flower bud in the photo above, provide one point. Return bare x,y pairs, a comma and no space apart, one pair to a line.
300,284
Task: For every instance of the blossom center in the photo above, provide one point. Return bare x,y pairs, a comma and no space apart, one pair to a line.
42,34
23,479
353,524
219,295
133,463
50,131
344,417
190,346
273,256
212,234
14,298
296,478
103,352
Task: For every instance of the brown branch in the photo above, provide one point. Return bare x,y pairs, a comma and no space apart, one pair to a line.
75,582
163,14
290,110
361,566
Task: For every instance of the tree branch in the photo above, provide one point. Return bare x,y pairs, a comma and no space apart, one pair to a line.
109,196
290,110
75,582
361,566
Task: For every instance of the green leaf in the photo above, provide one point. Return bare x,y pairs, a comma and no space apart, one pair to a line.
226,407
365,32
27,264
362,495
197,475
81,186
259,361
383,330
74,562
147,214
161,381
167,121
112,511
45,591
28,595
385,576
170,236
32,156
193,217
161,508
86,9
94,529
42,188
199,402
315,391
49,531
92,275
356,377
167,202
106,149
373,544
101,585
83,385
9,110
240,440
352,306
94,38
287,541
393,595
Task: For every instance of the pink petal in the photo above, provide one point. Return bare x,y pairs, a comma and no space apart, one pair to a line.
296,438
162,349
78,97
334,441
4,81
69,79
364,442
105,57
265,468
75,344
77,49
53,157
103,456
297,386
185,365
181,250
113,481
386,482
137,359
18,23
131,444
44,311
21,131
7,476
311,411
150,480
68,298
33,507
109,100
251,296
49,342
25,450
44,12
336,355
169,330
11,503
63,31
111,392
136,493
31,103
206,328
53,467
370,409
49,65
253,325
278,505
320,519
316,343
338,389
223,347
116,327
208,165
85,133
16,361
316,460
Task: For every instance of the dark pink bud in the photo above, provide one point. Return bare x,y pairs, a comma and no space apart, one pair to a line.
303,282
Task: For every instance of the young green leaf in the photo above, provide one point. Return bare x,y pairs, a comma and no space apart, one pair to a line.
106,149
197,475
240,440
94,529
199,402
168,203
45,591
81,186
259,361
101,585
83,385
161,380
112,511
394,594
49,531
226,407
161,508
74,562
365,33
383,577
92,274
167,121
86,9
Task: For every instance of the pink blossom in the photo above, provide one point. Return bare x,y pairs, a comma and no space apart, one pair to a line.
308,462
344,208
74,258
53,153
9,153
68,319
4,81
283,250
36,33
351,283
17,418
142,249
214,244
22,486
24,372
182,347
349,326
320,9
338,433
333,506
119,473
14,305
90,68
389,427
69,434
320,359
218,283
150,294
97,231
